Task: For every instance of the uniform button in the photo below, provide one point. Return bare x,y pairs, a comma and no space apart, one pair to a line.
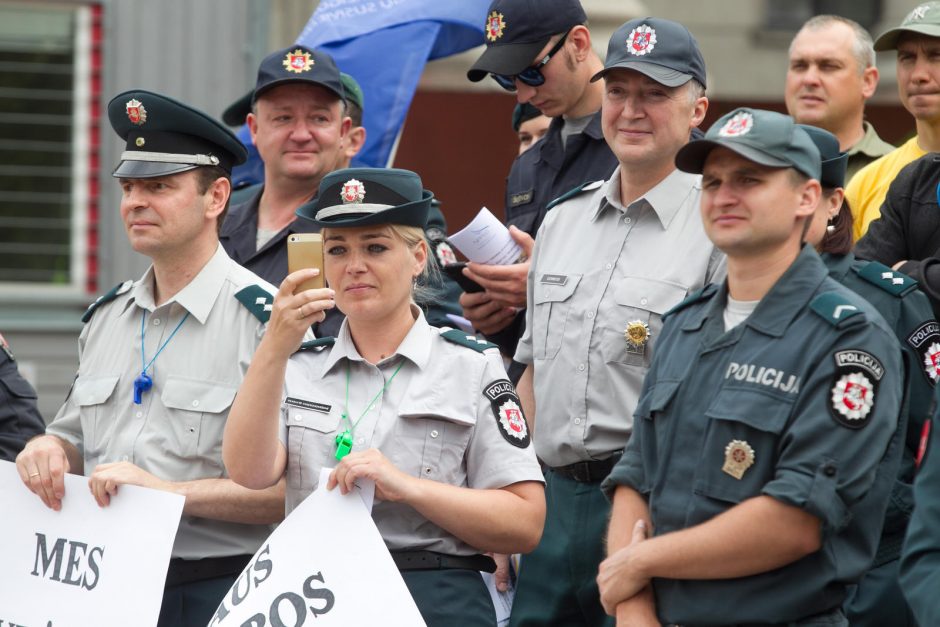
830,470
427,470
192,429
195,403
643,301
298,417
580,366
360,441
577,421
140,414
627,220
590,315
371,407
609,266
434,433
124,459
156,322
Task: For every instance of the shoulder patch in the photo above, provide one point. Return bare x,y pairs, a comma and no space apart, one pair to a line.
510,421
318,344
855,387
465,339
836,310
107,297
889,280
699,295
925,340
571,193
257,300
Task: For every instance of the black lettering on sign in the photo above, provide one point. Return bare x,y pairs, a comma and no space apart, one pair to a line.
82,565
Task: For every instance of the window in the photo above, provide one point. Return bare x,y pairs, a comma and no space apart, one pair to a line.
49,109
789,15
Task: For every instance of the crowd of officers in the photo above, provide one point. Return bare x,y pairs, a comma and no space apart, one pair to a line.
704,397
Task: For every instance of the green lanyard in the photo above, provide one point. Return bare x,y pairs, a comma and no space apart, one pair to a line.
344,440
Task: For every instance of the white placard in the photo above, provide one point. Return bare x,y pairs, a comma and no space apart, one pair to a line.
85,564
325,565
486,240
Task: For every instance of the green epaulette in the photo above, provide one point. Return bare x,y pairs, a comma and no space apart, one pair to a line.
571,193
257,300
465,339
699,295
318,344
107,297
836,310
889,280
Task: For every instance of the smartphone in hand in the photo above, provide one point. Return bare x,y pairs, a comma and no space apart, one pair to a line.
455,271
305,250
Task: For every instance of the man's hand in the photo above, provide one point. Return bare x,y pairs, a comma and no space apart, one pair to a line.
42,465
505,284
618,577
106,479
485,314
501,575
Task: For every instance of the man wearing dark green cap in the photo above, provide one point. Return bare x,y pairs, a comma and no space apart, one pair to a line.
161,359
766,416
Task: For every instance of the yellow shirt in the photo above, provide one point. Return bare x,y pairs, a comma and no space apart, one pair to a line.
866,190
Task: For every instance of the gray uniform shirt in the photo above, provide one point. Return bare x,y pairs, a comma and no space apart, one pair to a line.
597,267
433,421
176,432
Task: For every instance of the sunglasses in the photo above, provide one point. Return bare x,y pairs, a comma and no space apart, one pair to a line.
532,75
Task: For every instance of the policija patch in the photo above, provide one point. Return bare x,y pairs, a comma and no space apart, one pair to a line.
925,340
855,386
508,412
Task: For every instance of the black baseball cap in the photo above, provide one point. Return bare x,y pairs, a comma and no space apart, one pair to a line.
662,49
298,64
833,161
235,113
517,30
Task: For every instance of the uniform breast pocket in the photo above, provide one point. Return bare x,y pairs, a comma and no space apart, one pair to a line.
640,306
551,309
198,409
650,431
433,445
91,394
311,445
741,447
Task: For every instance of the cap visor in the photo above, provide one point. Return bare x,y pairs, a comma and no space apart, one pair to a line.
659,73
889,39
692,156
149,169
508,59
410,214
284,81
235,113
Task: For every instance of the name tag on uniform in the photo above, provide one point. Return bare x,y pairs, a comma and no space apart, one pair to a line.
311,405
521,198
554,279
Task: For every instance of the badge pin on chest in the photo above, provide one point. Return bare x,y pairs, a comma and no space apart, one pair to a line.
637,334
739,456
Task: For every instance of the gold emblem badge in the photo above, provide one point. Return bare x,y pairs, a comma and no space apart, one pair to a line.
637,335
739,456
495,25
298,61
136,112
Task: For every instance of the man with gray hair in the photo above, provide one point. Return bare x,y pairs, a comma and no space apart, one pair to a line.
831,73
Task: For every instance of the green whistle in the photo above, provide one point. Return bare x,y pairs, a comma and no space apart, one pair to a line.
343,444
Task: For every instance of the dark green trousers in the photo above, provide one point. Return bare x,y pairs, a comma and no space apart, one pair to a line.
193,604
557,582
451,597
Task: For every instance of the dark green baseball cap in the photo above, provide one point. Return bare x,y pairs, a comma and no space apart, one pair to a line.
662,49
764,137
368,196
923,20
834,162
165,136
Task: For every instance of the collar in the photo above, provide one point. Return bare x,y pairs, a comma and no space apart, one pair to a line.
199,294
243,215
838,265
552,138
665,199
870,144
416,347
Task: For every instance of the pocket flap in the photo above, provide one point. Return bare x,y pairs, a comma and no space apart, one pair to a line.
423,410
552,288
656,398
201,396
94,390
761,411
649,294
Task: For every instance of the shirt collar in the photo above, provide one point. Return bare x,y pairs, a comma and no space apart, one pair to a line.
870,144
416,347
666,198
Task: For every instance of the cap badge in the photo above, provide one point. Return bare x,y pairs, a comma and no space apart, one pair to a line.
739,456
353,191
140,141
637,334
853,396
495,24
298,61
920,12
136,112
740,124
641,41
932,361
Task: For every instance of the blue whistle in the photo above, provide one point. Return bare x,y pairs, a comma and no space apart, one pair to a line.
141,385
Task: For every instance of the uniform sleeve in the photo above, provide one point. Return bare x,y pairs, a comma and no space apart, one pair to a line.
886,240
500,452
67,423
839,430
19,417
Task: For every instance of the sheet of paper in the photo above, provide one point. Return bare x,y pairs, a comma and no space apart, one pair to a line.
486,240
502,601
365,488
461,323
85,564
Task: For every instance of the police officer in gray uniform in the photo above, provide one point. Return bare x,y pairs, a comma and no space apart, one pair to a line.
450,453
768,422
160,359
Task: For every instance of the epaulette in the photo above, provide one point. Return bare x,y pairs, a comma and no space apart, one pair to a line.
257,300
702,294
571,193
464,339
107,297
835,309
318,344
889,280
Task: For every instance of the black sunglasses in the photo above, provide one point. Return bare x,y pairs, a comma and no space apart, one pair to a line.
532,75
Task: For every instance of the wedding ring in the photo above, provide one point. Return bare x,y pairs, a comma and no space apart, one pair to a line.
35,474
301,310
